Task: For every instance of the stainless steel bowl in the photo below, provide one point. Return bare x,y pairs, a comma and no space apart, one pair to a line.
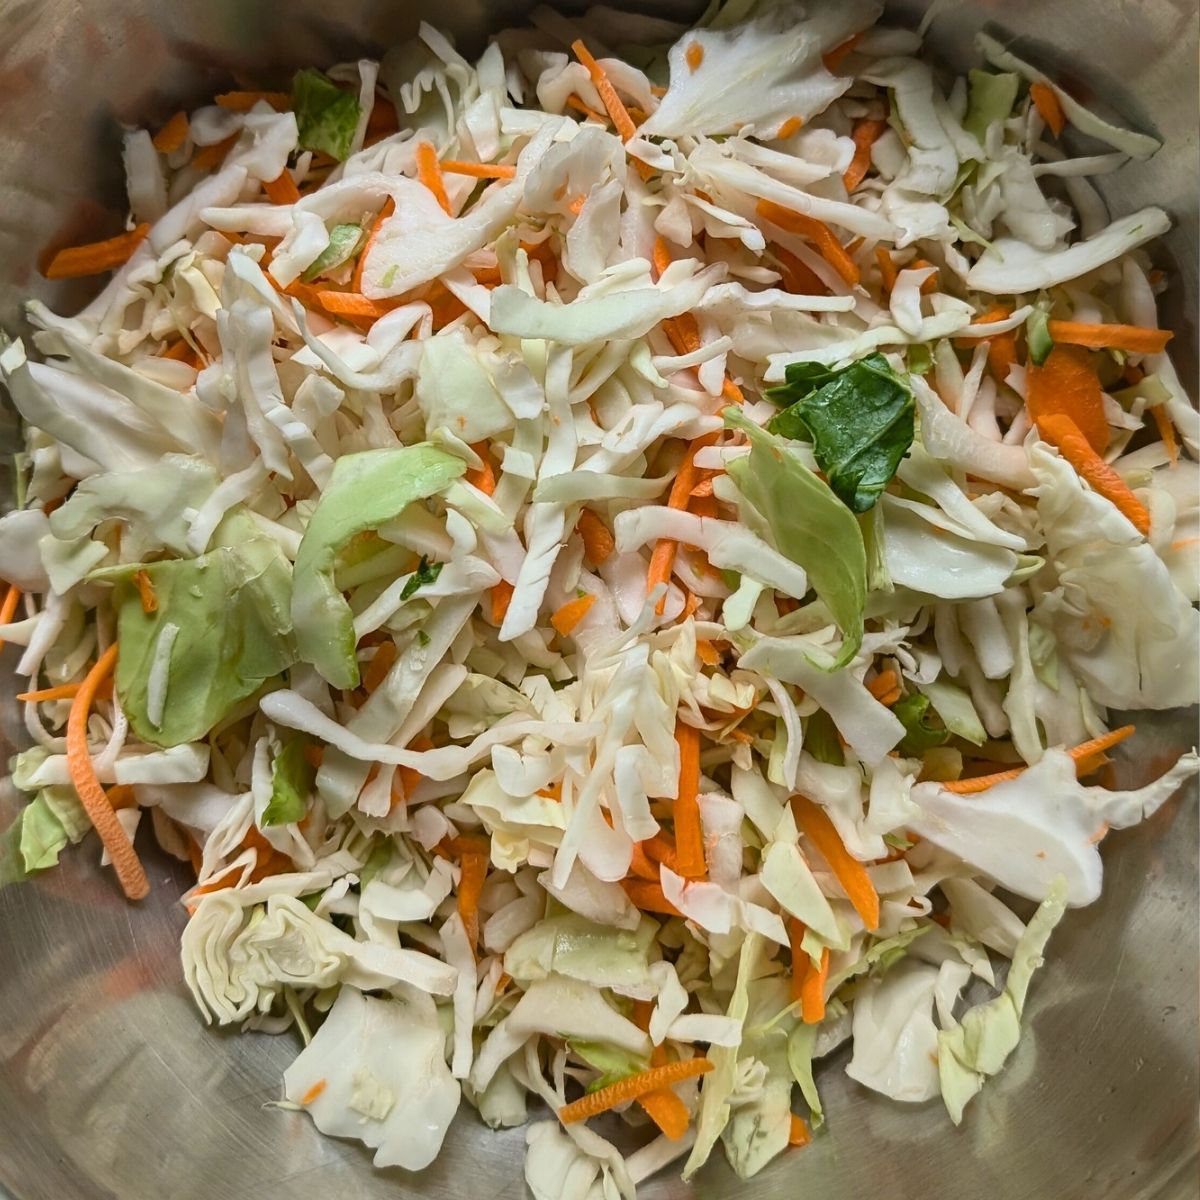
109,1084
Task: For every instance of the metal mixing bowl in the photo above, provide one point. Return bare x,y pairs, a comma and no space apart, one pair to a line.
110,1086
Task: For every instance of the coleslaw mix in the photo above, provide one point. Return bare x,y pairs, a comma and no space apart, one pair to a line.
610,561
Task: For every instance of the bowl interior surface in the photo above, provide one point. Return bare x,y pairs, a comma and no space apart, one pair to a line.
110,1086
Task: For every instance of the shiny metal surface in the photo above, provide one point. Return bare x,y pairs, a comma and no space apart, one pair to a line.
109,1084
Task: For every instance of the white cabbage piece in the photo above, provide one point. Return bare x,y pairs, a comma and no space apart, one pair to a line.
376,1071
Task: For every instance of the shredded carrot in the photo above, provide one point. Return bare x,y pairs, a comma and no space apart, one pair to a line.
887,269
1084,755
660,257
1166,431
173,134
1136,339
661,849
1002,347
566,618
612,102
598,541
800,960
429,172
125,861
791,126
798,277
833,58
689,837
389,207
667,1111
478,170
641,866
208,157
484,478
179,352
407,778
662,559
798,1134
648,897
145,587
930,284
474,871
380,664
632,1087
96,257
313,1092
851,874
587,110
1066,384
707,653
354,304
245,101
502,594
314,755
282,189
1046,100
9,607
732,392
64,691
694,56
812,990
883,683
866,133
817,232
1062,432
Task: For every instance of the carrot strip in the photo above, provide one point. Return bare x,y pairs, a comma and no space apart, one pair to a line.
667,1111
429,172
798,1134
474,866
282,189
689,837
632,1087
587,110
130,874
64,691
888,273
661,849
1062,432
648,896
1136,339
814,822
478,170
612,102
314,1092
791,126
9,607
245,101
173,134
1046,101
800,959
798,277
502,594
96,257
832,58
389,207
812,991
484,478
707,653
354,304
660,257
1066,384
1083,754
1002,347
866,134
598,541
883,683
1166,431
641,866
694,56
566,618
817,232
145,587
208,157
380,664
662,559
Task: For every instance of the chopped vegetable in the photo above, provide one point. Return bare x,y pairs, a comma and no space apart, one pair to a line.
326,116
633,1087
96,257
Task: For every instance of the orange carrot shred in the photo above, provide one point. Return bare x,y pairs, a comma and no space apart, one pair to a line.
173,134
689,837
1083,754
502,594
145,587
1046,100
661,849
1002,347
429,172
791,126
9,607
1136,339
470,884
389,207
641,866
648,896
814,231
598,541
208,157
667,1111
313,1092
632,1087
64,691
587,110
1166,431
354,304
866,133
128,867
282,189
798,277
660,257
1066,384
566,618
887,269
612,102
484,478
812,991
798,1134
800,959
833,58
1062,432
694,56
478,170
96,257
245,101
707,653
380,664
883,683
814,822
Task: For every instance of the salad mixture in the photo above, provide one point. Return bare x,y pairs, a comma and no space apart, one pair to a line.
613,563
